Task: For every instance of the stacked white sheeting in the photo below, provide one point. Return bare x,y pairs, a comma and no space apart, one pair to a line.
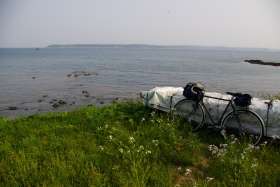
160,97
164,98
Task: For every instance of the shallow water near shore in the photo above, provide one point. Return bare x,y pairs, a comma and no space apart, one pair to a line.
34,81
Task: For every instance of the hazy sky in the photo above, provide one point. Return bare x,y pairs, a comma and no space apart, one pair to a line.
237,23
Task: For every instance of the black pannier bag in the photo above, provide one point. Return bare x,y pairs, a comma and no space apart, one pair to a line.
242,100
194,91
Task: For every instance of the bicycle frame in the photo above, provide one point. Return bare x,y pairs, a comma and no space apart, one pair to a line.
230,104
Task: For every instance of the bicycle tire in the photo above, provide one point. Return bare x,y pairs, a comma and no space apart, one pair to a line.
246,124
191,111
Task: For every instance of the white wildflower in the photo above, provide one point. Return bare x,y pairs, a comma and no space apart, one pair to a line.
254,165
213,149
188,172
110,137
179,168
143,119
242,156
141,148
223,133
234,140
223,145
106,126
251,146
131,139
155,142
101,148
148,152
121,150
209,179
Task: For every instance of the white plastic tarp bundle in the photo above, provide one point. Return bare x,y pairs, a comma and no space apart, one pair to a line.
164,98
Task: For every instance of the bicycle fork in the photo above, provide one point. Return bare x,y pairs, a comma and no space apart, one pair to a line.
269,107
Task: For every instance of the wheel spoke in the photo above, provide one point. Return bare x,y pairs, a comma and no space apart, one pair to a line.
192,112
245,124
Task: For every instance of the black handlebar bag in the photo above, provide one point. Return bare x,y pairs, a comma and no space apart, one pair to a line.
194,91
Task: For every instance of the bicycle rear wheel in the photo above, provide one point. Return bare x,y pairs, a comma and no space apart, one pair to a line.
246,124
192,112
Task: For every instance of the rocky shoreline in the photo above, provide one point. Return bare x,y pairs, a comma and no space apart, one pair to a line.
59,101
47,104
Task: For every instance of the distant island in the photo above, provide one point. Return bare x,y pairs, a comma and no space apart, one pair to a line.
260,62
200,47
99,45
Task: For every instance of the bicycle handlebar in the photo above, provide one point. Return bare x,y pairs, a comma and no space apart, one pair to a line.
234,94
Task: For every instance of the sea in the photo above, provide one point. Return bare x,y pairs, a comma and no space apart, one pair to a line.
33,80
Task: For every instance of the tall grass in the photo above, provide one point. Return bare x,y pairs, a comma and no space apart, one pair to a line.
126,144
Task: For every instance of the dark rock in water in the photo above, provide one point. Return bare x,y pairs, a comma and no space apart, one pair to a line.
33,78
260,62
12,108
40,100
55,105
44,96
85,93
101,102
53,101
86,74
61,102
81,73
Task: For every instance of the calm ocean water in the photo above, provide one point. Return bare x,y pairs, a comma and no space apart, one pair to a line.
30,79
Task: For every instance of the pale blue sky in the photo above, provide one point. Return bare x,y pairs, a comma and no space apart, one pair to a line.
236,23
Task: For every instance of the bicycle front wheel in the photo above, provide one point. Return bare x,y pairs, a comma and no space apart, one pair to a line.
245,124
191,111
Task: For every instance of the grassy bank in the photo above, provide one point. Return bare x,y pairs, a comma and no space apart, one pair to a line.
126,144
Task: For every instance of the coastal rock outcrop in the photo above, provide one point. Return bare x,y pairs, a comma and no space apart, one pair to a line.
260,62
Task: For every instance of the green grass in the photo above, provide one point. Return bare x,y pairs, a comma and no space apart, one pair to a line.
126,144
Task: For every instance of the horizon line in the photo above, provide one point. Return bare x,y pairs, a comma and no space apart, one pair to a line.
139,44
